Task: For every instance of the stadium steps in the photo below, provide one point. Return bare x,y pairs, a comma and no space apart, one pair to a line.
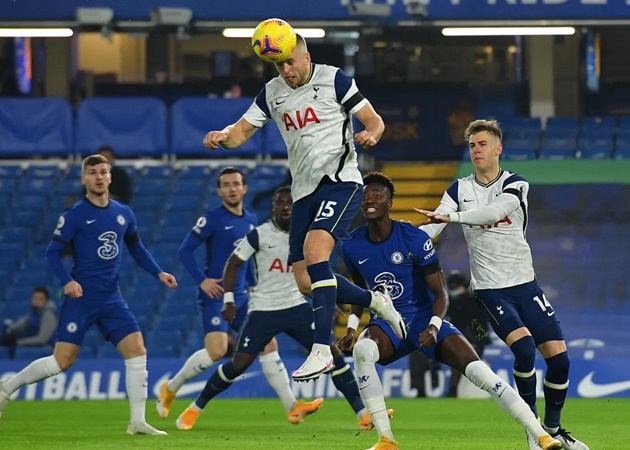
418,185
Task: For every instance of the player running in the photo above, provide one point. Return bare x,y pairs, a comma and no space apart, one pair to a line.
220,230
492,207
95,228
312,104
276,306
402,258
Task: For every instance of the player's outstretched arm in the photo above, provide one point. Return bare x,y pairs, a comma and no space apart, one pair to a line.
231,136
434,277
229,281
374,127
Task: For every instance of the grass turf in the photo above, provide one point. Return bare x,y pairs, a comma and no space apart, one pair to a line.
246,424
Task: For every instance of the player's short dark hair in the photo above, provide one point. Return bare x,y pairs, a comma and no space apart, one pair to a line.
106,148
281,190
229,170
42,290
477,126
457,279
381,178
93,160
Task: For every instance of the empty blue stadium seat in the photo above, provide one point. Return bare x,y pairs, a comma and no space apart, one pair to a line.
134,126
164,338
172,321
174,234
557,147
160,172
32,353
108,351
595,146
189,202
7,186
13,251
36,186
70,186
198,186
521,127
201,172
192,118
562,126
520,148
152,187
153,203
47,172
163,351
624,124
275,171
175,308
74,171
35,127
272,140
22,218
10,172
182,218
15,234
32,202
594,125
622,146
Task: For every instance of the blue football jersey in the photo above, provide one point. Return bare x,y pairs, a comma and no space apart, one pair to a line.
96,236
396,262
221,231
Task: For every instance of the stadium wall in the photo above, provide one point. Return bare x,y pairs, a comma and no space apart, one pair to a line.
105,380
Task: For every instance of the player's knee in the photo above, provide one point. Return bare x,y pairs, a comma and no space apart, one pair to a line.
217,351
365,352
65,361
558,366
524,351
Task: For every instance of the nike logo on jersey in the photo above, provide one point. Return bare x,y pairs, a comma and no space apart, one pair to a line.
589,389
317,219
551,313
271,246
363,260
90,221
466,200
279,103
229,228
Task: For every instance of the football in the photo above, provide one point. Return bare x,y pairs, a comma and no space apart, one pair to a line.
273,40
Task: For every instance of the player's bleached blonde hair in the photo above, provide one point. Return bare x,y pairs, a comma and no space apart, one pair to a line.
93,160
477,126
300,43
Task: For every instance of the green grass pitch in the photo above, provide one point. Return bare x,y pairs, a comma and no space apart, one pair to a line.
246,424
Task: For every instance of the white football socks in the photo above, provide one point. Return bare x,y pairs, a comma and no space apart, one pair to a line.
508,399
137,386
37,370
366,355
196,363
278,378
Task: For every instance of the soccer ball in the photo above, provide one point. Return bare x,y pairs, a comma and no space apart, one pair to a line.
273,40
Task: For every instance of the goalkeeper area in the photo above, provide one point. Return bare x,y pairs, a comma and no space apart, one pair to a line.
244,424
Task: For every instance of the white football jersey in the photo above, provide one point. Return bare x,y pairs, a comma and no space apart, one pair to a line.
500,256
276,287
315,122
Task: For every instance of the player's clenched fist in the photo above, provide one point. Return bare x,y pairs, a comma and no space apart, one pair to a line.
73,289
168,279
214,139
365,139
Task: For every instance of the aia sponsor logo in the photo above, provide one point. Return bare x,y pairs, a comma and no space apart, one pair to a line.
299,120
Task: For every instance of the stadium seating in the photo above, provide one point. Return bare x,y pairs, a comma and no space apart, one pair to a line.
192,118
35,127
133,126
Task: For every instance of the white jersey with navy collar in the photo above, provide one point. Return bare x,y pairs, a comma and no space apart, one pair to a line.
315,122
500,256
276,287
